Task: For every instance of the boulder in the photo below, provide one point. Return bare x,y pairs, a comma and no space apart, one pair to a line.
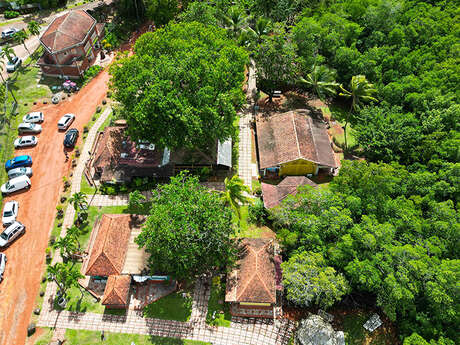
315,331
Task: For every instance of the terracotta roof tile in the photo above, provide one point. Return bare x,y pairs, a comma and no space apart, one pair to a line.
108,251
67,30
117,290
290,136
254,279
274,194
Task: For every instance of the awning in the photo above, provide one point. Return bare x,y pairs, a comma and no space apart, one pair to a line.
224,153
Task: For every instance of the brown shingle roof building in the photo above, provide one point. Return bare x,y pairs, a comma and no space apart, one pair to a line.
253,281
273,195
67,30
108,252
116,291
291,136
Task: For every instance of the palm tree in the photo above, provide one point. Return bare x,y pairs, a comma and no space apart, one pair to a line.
261,28
322,81
21,37
66,246
234,194
64,276
7,53
78,200
74,233
235,21
360,91
34,28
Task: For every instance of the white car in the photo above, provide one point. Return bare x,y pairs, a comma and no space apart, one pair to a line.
65,121
9,32
34,117
29,140
12,65
16,184
29,128
11,233
16,172
2,265
10,212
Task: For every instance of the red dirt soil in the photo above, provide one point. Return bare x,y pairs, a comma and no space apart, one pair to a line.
37,209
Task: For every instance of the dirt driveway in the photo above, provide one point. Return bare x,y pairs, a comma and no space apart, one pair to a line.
37,209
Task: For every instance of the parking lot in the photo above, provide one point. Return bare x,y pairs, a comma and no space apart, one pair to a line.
37,209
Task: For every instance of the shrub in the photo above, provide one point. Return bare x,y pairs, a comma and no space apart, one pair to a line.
257,214
91,73
204,173
11,14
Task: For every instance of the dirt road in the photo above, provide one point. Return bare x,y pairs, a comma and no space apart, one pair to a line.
37,209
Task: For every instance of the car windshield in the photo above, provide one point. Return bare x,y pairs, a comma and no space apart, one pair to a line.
7,185
7,213
4,236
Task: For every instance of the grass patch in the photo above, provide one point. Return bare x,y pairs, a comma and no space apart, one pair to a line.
218,313
82,337
39,301
85,187
171,307
246,228
355,334
45,338
336,112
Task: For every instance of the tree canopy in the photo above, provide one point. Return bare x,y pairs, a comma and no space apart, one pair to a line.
188,230
182,85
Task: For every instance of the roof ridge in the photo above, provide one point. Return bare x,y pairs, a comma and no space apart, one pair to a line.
251,278
257,271
295,134
309,119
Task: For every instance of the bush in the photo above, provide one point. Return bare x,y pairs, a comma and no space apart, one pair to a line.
91,73
257,214
204,174
11,14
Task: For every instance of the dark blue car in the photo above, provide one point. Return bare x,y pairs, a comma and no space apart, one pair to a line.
17,162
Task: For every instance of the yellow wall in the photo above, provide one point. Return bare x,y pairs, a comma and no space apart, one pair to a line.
297,168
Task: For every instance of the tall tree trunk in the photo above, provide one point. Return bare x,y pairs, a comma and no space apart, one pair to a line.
345,136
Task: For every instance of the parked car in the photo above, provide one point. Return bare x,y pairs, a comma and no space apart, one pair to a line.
29,140
29,128
19,161
7,33
2,265
71,137
10,212
11,233
16,184
34,117
12,65
65,121
19,172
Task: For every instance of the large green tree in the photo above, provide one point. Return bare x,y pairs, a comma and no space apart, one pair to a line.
309,281
182,85
321,80
161,11
188,230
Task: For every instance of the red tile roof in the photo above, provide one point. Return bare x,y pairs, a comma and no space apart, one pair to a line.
254,279
293,135
67,30
117,290
274,194
108,252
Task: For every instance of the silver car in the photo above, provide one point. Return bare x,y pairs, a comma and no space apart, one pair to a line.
29,140
19,172
11,233
9,32
10,212
12,65
2,265
65,121
29,128
34,117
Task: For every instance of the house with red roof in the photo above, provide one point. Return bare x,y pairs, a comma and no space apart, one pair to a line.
71,43
293,144
254,285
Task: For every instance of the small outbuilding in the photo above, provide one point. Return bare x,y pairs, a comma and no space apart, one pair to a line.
116,292
294,144
273,195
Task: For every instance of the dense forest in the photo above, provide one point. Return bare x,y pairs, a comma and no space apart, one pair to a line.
387,227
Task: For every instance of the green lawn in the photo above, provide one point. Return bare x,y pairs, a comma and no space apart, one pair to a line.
218,313
45,338
247,229
355,334
337,112
171,307
81,337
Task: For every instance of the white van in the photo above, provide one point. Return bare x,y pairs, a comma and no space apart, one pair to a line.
15,184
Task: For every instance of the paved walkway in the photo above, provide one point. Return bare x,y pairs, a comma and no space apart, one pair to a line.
246,169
